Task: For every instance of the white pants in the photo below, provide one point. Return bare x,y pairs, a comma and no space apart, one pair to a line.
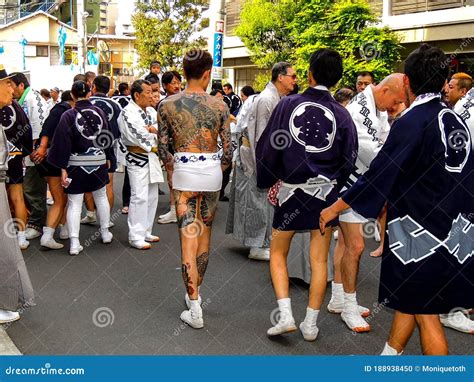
143,205
74,210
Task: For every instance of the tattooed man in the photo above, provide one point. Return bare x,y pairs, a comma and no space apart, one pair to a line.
194,120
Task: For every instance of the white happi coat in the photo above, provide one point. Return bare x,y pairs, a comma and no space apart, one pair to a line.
465,109
372,128
133,122
37,110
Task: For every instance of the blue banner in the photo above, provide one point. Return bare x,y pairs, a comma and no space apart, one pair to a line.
218,40
236,368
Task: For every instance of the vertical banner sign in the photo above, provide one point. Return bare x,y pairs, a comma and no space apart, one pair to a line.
217,70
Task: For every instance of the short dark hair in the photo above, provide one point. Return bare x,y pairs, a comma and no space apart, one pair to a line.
90,75
326,67
196,62
426,69
79,77
123,86
66,96
280,68
20,78
365,73
167,77
102,84
137,87
215,91
344,94
80,89
247,91
153,80
151,77
227,85
45,93
155,63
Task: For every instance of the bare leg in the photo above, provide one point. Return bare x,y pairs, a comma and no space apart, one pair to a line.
354,243
56,211
318,252
279,247
383,223
432,336
402,329
110,190
15,194
338,254
89,200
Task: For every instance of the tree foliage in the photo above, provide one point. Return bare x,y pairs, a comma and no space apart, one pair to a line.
166,30
289,30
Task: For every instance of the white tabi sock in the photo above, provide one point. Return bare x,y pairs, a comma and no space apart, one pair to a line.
337,292
284,304
48,233
350,301
388,350
195,307
75,242
311,317
21,235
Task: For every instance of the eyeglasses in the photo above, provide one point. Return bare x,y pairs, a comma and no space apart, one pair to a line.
293,76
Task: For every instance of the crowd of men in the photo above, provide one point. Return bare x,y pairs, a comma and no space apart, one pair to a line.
396,152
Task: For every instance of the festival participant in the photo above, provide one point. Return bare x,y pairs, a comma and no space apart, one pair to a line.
172,85
363,80
458,87
250,215
18,132
78,148
369,113
195,120
138,127
52,174
313,163
34,186
234,102
112,110
423,177
344,96
123,98
16,291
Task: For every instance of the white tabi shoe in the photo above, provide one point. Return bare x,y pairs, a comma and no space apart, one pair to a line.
63,232
7,316
169,217
193,318
50,243
310,333
354,321
286,324
152,239
32,233
457,321
107,236
74,251
262,254
90,218
22,242
140,244
337,308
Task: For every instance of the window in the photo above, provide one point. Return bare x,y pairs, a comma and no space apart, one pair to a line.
42,51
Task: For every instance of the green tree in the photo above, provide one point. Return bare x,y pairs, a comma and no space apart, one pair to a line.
166,30
347,26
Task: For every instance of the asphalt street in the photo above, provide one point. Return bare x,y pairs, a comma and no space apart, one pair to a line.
113,299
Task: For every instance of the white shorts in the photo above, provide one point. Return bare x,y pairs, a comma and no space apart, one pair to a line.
350,216
198,172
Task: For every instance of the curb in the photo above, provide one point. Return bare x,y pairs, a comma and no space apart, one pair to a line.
7,347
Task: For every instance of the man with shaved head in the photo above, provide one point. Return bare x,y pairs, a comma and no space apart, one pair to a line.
369,111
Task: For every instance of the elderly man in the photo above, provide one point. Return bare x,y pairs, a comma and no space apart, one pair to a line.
363,80
15,284
138,127
250,214
369,113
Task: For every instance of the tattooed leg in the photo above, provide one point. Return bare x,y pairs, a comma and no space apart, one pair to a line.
202,260
190,282
188,225
207,202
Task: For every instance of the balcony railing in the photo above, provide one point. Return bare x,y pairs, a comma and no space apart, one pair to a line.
401,7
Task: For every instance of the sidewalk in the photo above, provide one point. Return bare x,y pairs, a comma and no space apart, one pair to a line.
7,347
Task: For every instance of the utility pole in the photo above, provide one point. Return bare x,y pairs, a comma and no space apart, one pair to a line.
81,36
